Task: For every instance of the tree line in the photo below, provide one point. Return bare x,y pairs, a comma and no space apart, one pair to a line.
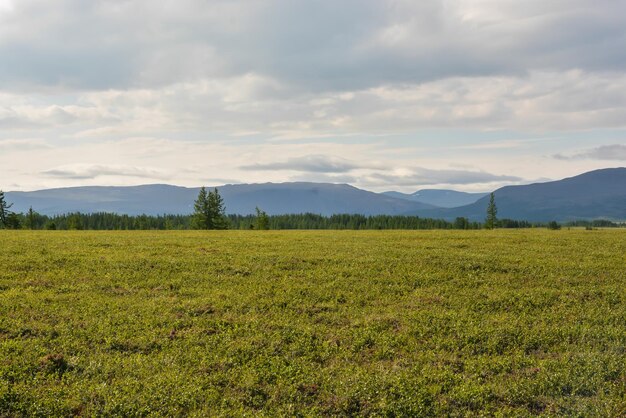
210,213
113,221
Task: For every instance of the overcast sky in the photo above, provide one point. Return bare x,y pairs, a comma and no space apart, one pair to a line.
381,94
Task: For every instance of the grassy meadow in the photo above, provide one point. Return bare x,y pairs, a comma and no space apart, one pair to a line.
310,323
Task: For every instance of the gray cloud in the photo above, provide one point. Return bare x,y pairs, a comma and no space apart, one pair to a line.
613,152
326,178
429,177
89,171
326,169
413,82
310,163
281,65
322,45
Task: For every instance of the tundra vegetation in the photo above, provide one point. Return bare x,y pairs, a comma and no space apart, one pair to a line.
306,323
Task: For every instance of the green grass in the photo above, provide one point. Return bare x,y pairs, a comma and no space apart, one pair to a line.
428,323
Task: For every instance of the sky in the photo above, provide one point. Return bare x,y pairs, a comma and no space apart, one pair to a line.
381,94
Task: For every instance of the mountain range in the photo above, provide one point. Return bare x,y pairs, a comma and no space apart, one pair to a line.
599,194
274,198
593,195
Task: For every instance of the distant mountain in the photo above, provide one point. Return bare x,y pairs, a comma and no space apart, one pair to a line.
274,198
439,198
593,195
149,199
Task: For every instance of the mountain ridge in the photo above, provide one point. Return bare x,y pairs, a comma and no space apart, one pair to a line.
155,199
598,194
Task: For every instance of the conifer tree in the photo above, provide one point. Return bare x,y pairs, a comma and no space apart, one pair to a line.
262,220
217,210
4,210
209,210
30,218
492,211
75,222
202,218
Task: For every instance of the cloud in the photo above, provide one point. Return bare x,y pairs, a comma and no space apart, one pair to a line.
310,163
228,86
220,181
613,152
430,177
319,168
321,46
90,171
35,116
6,5
334,69
503,144
210,109
22,144
326,178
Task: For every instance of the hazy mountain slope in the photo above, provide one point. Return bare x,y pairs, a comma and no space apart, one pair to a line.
148,199
274,198
439,197
593,195
326,199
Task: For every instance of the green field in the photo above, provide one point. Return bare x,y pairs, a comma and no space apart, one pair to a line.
266,323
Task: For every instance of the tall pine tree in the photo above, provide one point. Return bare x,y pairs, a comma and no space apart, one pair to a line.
218,210
4,210
30,218
202,218
492,213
